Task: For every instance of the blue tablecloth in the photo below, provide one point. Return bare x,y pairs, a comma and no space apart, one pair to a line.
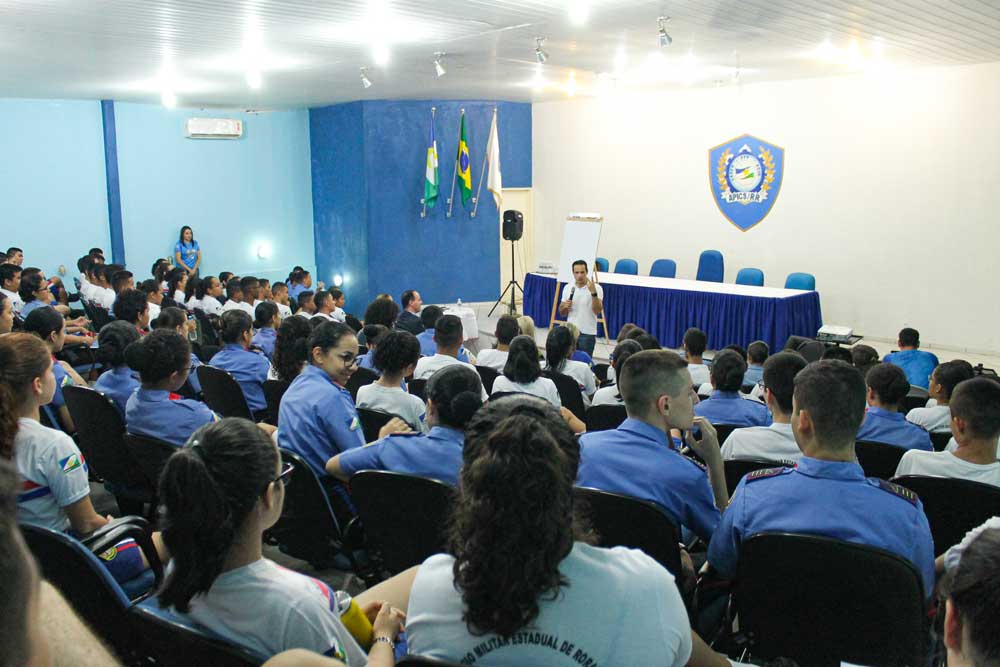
668,313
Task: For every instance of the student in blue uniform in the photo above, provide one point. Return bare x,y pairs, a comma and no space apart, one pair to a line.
249,368
827,493
163,360
50,326
453,397
887,387
917,364
120,382
178,320
757,353
266,322
291,348
373,333
428,347
726,405
640,459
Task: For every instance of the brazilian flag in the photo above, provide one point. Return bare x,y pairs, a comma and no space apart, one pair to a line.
463,165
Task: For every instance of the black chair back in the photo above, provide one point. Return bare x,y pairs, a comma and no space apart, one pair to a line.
953,506
100,318
940,440
605,417
601,371
372,421
821,601
917,398
878,459
360,378
417,388
488,376
150,453
737,469
273,391
503,394
723,430
569,393
223,393
404,515
623,521
209,333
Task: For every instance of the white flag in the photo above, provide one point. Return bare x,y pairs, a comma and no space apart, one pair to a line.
493,182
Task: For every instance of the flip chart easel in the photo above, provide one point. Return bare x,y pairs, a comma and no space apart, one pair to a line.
581,237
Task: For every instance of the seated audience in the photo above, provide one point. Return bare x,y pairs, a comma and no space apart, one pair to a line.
339,301
50,326
34,293
428,318
757,353
163,361
453,397
627,332
266,322
119,382
178,320
626,329
373,334
775,442
917,364
726,405
611,395
208,294
250,287
234,298
578,354
177,280
944,379
518,566
6,314
291,349
395,358
409,317
279,293
131,307
972,596
526,326
647,341
299,282
641,460
887,387
975,423
695,343
838,353
249,368
523,374
559,348
15,256
864,358
10,284
496,358
105,274
827,493
122,280
220,492
154,296
324,306
448,336
307,306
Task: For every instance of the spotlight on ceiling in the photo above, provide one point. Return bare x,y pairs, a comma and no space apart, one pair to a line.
541,55
438,64
665,38
365,81
168,98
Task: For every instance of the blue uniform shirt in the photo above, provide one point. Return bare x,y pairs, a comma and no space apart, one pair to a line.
893,429
827,498
188,252
118,384
428,348
34,304
917,364
437,454
264,339
250,370
728,407
294,291
639,460
754,375
367,360
317,419
160,414
62,379
193,375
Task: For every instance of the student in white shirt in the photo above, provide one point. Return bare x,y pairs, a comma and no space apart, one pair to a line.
448,336
581,303
154,297
611,395
279,293
339,300
10,282
613,606
523,374
506,330
944,379
975,422
396,357
220,492
177,281
234,299
774,442
559,348
324,306
695,342
971,594
207,295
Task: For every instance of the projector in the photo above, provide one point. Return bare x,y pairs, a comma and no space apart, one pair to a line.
834,334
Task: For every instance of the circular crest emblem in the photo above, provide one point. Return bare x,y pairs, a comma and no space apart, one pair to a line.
745,173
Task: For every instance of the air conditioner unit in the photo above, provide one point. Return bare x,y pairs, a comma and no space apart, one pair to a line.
213,128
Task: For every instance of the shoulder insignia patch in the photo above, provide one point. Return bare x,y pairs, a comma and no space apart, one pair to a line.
896,490
174,397
695,462
764,473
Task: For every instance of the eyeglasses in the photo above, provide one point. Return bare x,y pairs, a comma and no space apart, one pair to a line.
284,477
349,359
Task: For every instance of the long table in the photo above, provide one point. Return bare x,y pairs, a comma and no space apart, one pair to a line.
667,307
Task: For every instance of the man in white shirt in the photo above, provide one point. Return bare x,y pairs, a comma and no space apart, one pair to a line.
506,330
582,302
10,281
937,418
695,342
104,296
774,442
279,293
448,336
234,298
975,421
324,306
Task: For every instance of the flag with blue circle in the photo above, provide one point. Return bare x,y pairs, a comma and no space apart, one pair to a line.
463,164
745,177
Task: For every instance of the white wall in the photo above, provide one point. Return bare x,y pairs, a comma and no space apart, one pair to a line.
890,194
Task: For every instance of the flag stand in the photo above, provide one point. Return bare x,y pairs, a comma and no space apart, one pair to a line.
423,200
475,200
454,177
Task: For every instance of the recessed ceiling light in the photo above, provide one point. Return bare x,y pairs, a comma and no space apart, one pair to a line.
365,81
541,55
380,53
579,11
438,64
254,79
168,98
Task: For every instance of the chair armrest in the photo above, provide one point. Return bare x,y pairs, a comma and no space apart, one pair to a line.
128,527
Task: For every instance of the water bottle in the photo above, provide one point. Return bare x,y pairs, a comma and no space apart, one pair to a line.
354,619
459,303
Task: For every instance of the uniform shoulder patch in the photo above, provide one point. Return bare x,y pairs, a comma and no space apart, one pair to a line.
695,462
764,473
896,490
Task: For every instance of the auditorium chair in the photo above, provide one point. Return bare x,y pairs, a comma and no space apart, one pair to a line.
602,264
953,506
938,440
711,267
754,277
488,376
100,318
663,268
820,601
150,454
878,459
601,371
372,422
627,266
273,391
723,430
916,398
569,392
359,379
405,516
737,469
223,393
208,333
803,281
417,388
604,417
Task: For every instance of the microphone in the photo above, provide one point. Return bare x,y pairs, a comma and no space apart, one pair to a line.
572,291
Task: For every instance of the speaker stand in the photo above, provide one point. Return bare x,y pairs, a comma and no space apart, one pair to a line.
512,286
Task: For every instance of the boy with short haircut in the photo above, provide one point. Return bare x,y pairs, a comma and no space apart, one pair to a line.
307,307
251,292
10,283
975,423
695,342
234,298
396,355
917,364
757,353
428,318
506,330
887,387
448,335
726,405
944,379
279,293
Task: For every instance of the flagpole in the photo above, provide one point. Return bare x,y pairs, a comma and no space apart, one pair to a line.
454,177
423,212
475,200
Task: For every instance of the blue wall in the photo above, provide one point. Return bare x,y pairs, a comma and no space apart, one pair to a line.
235,194
53,199
376,200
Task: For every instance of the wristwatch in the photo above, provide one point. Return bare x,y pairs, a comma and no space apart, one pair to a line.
593,294
385,640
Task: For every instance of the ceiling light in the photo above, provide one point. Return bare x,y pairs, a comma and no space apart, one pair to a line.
365,81
168,99
541,55
665,38
579,11
538,83
621,61
254,79
380,53
438,65
571,84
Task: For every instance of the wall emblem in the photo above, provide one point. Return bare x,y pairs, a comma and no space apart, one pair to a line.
745,175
